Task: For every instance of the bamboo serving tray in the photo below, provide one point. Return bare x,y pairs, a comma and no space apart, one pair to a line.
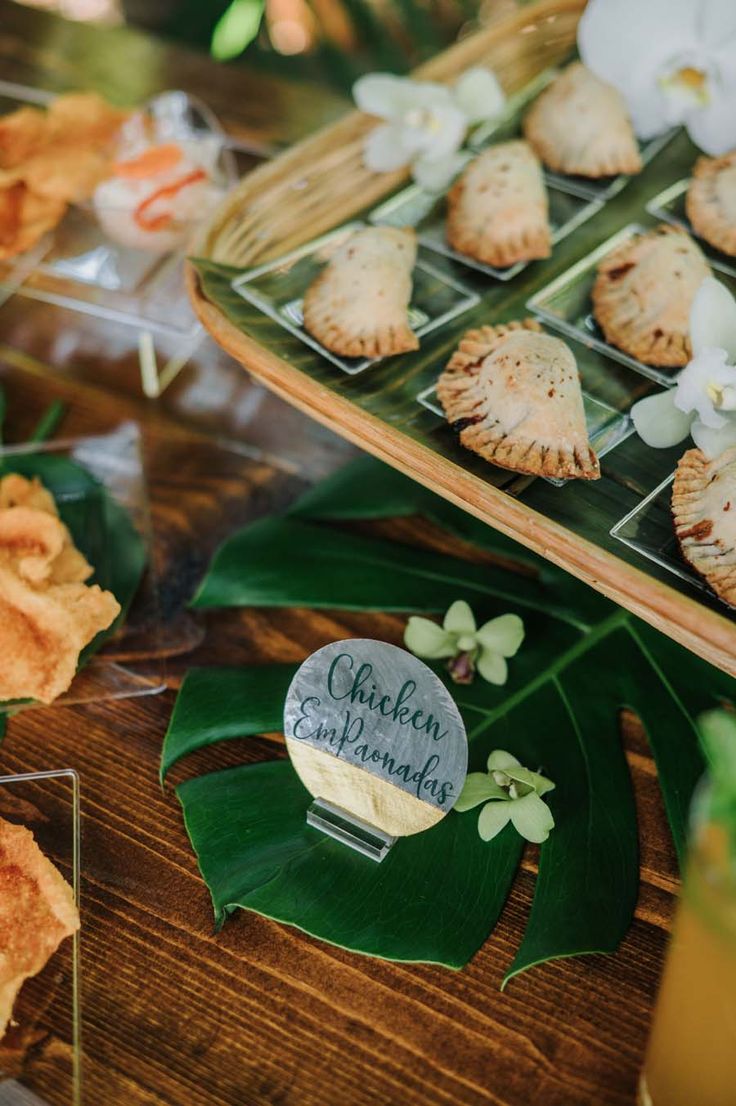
319,185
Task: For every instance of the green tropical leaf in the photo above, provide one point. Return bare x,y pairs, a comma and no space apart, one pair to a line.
582,663
218,703
434,898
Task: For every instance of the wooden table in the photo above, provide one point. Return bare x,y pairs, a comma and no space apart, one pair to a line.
260,1014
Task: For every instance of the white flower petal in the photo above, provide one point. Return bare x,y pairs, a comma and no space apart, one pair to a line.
380,94
426,94
493,818
702,384
437,174
629,43
459,618
425,638
503,635
714,442
492,667
713,317
479,95
713,127
441,133
499,760
385,149
658,422
532,818
717,20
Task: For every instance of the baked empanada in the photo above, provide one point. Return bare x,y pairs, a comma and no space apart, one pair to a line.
37,912
513,394
357,306
704,510
579,125
33,539
643,294
711,201
498,209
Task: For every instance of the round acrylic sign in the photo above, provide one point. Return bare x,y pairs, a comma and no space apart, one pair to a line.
373,731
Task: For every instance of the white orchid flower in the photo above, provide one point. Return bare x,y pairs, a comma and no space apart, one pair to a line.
425,123
674,61
703,404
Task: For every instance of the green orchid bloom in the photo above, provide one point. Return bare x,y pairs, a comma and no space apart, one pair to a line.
467,647
511,793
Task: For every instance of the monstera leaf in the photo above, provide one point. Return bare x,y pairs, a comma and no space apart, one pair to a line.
437,895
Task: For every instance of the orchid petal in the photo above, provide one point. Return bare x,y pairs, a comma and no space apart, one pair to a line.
459,618
538,783
437,174
478,788
718,23
503,635
714,442
629,44
492,819
712,127
426,639
658,422
713,318
492,667
442,134
385,149
479,95
699,383
500,761
379,94
531,818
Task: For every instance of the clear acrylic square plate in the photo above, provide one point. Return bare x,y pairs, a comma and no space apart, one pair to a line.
426,212
567,306
608,393
129,664
669,206
278,287
79,267
650,531
41,1052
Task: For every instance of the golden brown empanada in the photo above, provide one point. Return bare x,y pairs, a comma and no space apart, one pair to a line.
643,294
704,510
37,912
498,209
711,201
513,394
357,306
579,125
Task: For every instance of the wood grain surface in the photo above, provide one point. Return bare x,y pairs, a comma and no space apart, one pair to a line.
261,1015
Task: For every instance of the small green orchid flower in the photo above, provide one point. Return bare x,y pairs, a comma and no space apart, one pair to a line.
467,647
515,795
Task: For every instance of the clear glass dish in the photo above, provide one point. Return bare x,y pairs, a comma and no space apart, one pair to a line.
669,206
566,305
278,287
79,267
128,664
41,1053
609,390
650,531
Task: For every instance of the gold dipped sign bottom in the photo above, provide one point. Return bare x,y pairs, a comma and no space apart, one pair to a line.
373,731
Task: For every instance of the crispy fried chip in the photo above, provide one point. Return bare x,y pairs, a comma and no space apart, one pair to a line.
37,912
47,613
49,159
